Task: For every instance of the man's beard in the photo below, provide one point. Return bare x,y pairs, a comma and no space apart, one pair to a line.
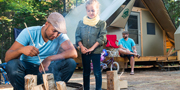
125,37
46,34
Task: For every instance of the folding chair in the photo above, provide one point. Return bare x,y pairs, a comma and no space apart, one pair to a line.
111,42
3,65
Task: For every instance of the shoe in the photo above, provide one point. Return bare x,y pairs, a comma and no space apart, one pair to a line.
138,56
132,73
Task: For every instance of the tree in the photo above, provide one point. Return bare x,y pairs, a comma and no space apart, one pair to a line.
173,7
13,14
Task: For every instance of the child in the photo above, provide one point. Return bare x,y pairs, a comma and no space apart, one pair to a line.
90,36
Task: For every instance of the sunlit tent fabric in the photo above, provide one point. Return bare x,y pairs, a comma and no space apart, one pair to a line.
107,8
176,39
111,9
121,19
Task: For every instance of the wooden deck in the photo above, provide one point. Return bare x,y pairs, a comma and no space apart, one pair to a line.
123,61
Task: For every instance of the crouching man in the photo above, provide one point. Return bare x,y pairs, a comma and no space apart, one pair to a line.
41,42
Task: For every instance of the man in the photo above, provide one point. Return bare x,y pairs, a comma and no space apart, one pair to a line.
128,49
41,42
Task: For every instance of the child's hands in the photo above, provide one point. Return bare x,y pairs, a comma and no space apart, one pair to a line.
84,49
90,50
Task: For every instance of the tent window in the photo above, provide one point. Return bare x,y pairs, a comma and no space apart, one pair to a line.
133,28
151,28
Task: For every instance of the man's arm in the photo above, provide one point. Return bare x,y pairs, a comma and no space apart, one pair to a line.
120,46
17,49
69,51
134,49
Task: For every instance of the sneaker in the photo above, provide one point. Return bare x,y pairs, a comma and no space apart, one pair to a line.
132,73
138,56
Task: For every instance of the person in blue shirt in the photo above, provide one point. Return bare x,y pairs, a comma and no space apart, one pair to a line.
50,44
128,49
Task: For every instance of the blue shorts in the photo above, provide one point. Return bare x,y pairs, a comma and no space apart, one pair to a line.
128,56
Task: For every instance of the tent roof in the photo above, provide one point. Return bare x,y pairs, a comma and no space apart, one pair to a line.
158,10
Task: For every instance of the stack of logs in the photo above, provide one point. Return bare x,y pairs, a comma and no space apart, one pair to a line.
49,84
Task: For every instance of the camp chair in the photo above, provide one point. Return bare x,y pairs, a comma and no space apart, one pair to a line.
4,74
111,43
3,65
16,32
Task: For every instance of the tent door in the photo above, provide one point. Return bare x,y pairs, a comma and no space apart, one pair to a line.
133,26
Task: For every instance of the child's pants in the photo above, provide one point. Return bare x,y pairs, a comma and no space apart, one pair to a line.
86,59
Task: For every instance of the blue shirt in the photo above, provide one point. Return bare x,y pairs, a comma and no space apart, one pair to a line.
45,48
127,44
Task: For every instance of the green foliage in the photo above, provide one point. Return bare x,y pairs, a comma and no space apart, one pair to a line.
78,2
13,14
173,7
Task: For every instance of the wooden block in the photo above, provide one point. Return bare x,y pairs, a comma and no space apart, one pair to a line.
123,84
112,80
39,87
61,85
30,81
104,84
49,83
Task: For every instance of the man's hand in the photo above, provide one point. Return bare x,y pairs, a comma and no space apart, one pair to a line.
84,50
29,51
46,62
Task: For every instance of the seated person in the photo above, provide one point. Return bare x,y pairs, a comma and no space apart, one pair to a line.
128,49
41,42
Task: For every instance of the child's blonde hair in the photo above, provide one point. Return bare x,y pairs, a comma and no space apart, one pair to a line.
92,2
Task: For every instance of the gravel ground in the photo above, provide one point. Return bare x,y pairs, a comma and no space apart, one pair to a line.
143,79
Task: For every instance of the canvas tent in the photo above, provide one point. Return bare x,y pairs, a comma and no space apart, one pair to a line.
149,24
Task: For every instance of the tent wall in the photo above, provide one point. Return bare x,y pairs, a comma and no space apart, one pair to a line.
115,31
152,44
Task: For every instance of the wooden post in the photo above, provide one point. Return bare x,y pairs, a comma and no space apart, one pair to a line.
49,83
178,55
61,85
112,80
30,81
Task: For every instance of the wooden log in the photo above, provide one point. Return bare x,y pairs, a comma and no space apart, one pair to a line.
30,81
39,87
6,87
112,80
49,83
61,85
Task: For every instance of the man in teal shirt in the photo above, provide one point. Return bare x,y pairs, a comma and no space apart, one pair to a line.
128,49
44,43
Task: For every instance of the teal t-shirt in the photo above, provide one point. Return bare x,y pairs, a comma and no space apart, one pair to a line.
127,44
45,48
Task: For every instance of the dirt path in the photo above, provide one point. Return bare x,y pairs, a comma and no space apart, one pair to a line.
142,80
146,79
